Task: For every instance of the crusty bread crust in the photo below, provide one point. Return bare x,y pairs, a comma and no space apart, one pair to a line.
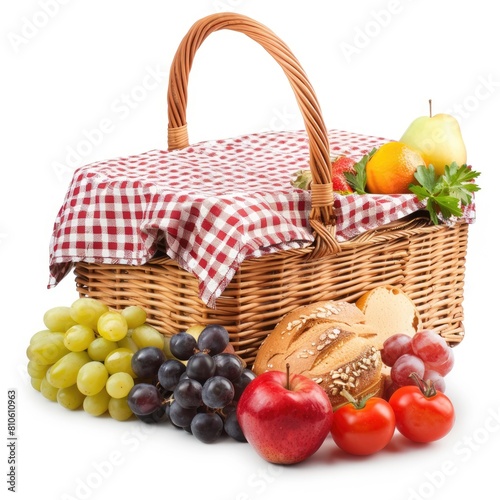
329,342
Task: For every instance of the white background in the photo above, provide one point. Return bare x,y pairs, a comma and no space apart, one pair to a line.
67,69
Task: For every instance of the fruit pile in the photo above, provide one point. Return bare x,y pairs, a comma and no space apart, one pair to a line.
426,354
286,418
114,362
429,160
197,390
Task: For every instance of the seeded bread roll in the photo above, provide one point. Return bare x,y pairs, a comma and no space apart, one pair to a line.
328,342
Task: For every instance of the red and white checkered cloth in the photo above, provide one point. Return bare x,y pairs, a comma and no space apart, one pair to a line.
208,206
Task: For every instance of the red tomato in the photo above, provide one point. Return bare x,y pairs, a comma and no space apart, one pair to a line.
422,413
363,428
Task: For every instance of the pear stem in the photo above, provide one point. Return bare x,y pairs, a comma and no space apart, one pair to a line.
430,108
288,376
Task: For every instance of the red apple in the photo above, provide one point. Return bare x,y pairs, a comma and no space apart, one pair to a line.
285,418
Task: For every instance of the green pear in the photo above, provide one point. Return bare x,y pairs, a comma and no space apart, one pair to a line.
438,139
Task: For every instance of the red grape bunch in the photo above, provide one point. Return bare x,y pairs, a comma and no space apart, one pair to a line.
426,353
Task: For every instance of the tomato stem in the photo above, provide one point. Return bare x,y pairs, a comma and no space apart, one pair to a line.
359,404
349,397
427,388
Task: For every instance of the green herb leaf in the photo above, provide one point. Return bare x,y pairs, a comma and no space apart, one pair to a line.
458,182
358,180
448,205
426,178
445,194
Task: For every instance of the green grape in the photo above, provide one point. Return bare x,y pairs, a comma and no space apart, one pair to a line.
166,348
92,378
58,319
36,383
120,360
147,336
128,343
40,335
97,404
119,409
64,372
47,349
36,370
70,397
112,326
78,337
48,390
119,384
134,315
100,347
87,311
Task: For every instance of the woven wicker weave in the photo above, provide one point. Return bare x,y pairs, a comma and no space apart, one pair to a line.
426,261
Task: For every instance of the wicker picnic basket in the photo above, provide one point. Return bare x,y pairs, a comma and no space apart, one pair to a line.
427,261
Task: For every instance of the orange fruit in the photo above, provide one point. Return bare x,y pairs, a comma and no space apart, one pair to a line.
391,169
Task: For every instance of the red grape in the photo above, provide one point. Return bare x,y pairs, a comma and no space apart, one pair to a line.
395,346
436,378
445,367
404,366
430,347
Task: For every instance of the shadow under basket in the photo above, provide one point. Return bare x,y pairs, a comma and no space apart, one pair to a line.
426,261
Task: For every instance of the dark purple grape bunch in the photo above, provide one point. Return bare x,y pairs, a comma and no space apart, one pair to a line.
197,390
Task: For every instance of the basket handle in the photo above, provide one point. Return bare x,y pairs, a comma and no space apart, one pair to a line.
321,217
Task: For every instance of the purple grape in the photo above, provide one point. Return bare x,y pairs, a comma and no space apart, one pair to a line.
182,345
146,361
158,416
240,383
179,416
217,392
200,366
188,393
170,373
232,427
213,339
144,399
228,365
207,427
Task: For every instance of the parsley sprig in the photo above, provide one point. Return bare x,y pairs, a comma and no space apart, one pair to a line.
445,194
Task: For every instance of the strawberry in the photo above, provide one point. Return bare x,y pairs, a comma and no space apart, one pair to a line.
341,165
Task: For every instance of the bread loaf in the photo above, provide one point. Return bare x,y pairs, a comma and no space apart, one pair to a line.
328,342
389,310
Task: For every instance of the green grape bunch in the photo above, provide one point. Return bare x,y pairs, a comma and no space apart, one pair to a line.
82,359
